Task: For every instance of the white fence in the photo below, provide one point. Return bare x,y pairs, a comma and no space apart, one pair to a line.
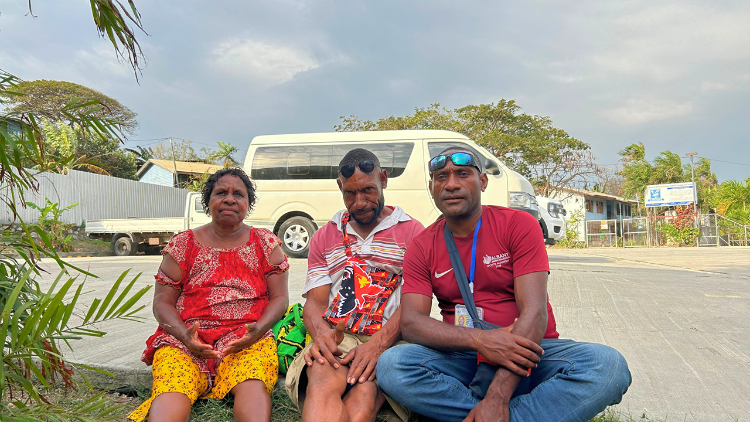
99,197
713,229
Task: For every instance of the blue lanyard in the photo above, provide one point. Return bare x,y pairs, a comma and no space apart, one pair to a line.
474,255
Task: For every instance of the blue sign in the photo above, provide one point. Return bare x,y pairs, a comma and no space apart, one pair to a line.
669,195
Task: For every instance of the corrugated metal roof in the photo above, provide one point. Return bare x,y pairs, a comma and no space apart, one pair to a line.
183,167
599,195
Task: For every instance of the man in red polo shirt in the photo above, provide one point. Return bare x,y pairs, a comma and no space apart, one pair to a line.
503,254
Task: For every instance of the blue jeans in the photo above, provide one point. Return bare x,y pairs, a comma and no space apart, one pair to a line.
573,382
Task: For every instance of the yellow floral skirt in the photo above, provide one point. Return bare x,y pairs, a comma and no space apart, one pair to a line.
175,372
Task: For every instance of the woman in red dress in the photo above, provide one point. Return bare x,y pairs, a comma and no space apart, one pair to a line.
220,288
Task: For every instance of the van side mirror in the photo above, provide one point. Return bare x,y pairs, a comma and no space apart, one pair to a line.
491,167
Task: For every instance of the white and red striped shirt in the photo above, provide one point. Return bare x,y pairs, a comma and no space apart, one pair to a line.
383,248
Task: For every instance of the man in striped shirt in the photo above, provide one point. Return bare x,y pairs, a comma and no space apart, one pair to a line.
353,292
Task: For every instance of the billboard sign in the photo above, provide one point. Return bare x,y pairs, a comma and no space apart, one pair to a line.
669,195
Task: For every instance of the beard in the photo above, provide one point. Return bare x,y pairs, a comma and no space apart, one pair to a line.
375,214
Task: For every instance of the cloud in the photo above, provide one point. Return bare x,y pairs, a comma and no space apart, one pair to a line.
103,59
262,63
640,110
663,41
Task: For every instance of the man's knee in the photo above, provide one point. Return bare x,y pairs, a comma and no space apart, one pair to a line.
390,364
610,370
363,401
617,367
324,379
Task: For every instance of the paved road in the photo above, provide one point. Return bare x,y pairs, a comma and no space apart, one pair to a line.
679,316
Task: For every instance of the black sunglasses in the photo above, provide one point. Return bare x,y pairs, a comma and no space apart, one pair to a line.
457,158
367,166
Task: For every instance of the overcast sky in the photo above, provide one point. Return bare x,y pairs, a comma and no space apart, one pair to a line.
674,75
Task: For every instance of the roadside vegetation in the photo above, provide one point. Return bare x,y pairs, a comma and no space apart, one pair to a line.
37,325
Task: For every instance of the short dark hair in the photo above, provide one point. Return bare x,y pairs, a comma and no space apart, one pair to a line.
208,187
356,156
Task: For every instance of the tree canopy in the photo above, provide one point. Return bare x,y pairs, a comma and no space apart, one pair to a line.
667,167
49,99
528,144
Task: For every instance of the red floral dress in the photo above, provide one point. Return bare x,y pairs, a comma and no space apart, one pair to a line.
222,289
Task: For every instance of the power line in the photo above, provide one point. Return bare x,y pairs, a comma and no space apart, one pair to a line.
146,140
728,162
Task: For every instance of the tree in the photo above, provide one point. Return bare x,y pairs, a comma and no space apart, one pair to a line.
48,99
33,322
666,168
609,181
733,200
51,100
183,151
225,153
530,145
141,154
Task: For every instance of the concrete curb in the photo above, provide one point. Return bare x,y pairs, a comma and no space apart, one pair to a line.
83,254
123,377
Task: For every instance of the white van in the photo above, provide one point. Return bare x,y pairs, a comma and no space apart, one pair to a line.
296,178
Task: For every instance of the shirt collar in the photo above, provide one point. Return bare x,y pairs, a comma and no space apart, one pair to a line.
397,216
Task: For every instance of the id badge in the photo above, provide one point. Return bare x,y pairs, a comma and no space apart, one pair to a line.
462,317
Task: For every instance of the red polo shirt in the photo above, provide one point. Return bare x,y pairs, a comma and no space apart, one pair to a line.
509,245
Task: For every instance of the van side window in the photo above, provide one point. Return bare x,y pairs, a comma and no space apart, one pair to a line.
322,162
393,157
286,163
298,163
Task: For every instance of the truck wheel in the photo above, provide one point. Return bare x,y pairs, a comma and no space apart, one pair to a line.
124,246
295,234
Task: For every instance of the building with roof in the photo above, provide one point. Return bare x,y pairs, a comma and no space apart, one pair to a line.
595,206
12,126
161,172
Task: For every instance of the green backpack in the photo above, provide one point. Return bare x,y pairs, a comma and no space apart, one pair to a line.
291,336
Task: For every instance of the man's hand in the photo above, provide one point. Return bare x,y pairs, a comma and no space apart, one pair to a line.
325,346
252,334
489,411
508,350
197,346
363,360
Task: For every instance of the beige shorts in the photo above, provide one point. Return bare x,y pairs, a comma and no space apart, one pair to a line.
296,373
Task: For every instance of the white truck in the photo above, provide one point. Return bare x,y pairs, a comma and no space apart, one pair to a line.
130,235
553,219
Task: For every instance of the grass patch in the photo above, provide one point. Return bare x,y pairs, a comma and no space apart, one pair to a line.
283,410
90,245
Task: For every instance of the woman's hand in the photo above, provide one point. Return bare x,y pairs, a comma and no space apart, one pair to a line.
252,334
193,342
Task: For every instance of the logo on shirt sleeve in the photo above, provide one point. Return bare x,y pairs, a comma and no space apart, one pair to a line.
496,261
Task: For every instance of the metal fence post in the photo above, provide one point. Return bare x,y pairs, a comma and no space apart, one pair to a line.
716,229
586,231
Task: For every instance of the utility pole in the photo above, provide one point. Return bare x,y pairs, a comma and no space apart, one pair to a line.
174,162
695,193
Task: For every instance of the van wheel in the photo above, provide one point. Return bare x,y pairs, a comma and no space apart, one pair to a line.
295,234
123,246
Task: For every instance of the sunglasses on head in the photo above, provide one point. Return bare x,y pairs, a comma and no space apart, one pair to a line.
367,166
457,158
